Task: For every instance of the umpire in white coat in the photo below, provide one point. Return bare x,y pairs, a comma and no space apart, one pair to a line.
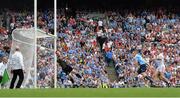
17,68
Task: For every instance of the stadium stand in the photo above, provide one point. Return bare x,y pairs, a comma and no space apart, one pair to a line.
93,42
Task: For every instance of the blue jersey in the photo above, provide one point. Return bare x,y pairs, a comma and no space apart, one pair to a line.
140,59
109,55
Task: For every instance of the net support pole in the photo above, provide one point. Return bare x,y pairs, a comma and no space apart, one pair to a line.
55,43
35,43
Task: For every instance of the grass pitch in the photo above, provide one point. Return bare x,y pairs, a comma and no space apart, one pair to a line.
92,92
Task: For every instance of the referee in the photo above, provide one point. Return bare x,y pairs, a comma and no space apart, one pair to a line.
17,68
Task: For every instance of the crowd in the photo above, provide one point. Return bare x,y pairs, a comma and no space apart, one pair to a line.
81,40
10,20
45,63
89,43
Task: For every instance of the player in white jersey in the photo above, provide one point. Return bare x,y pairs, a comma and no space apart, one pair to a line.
161,67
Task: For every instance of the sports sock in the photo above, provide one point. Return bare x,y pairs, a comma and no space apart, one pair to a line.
149,78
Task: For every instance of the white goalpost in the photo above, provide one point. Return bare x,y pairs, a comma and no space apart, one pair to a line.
39,53
55,43
25,40
54,69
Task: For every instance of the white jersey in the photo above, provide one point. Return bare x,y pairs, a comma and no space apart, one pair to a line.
161,65
2,68
17,61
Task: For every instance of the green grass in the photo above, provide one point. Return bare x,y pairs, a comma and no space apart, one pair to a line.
87,92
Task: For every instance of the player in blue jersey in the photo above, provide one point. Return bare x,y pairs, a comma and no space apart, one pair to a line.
139,60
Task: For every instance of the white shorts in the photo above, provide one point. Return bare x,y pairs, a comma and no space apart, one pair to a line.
161,68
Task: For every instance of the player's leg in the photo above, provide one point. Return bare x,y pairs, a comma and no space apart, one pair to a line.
140,74
21,78
162,77
155,74
148,77
142,71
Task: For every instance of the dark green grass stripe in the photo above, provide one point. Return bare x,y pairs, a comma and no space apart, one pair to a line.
87,92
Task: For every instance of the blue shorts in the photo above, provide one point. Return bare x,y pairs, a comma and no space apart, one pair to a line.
142,69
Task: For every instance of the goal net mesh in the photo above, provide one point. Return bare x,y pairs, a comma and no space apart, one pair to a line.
25,40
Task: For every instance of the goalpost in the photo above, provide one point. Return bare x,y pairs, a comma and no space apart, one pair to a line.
25,40
55,43
35,44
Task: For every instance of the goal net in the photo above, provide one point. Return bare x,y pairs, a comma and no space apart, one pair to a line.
25,40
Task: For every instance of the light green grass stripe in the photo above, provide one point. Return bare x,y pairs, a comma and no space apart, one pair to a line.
90,92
